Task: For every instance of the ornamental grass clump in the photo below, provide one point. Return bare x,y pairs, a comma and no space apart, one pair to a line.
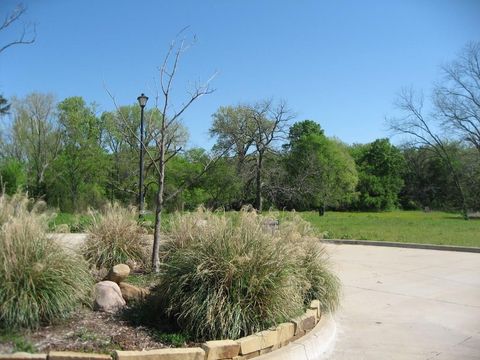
114,237
313,263
39,281
230,276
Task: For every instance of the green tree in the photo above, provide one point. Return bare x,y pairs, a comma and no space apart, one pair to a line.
430,183
222,185
12,176
380,166
121,140
322,173
251,131
300,130
78,176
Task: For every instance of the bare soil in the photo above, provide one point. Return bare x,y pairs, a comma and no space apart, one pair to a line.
91,331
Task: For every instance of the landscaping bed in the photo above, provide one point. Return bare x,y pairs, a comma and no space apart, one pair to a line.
91,331
247,278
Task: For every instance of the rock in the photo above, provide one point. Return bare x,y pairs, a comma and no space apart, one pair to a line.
132,293
118,273
108,297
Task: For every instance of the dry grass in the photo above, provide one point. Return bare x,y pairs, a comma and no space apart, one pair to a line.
229,276
39,282
114,237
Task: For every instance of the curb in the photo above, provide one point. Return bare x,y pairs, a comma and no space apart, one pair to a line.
313,346
402,245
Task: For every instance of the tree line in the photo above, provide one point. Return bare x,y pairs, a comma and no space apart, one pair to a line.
74,158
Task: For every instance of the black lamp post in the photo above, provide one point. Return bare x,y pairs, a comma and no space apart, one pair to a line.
142,101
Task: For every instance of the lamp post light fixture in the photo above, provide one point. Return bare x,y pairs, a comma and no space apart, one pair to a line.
142,101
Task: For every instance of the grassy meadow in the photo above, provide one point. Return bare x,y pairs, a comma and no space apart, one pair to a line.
434,227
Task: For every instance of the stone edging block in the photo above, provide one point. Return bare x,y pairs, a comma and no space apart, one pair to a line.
70,355
221,349
162,354
313,346
23,356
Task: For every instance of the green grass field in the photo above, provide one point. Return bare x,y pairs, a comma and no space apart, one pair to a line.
398,226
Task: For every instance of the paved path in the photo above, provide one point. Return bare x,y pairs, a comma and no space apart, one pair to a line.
407,303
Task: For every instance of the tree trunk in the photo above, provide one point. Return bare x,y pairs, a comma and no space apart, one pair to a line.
258,197
156,234
158,209
462,194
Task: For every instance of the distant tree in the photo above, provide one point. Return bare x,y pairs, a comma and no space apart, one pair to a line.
456,111
457,96
321,172
380,168
222,185
232,128
120,139
252,130
34,137
421,132
428,182
300,130
78,175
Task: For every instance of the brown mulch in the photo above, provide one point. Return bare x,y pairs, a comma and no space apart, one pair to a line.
90,331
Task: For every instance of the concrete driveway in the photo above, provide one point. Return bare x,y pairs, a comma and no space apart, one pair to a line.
407,303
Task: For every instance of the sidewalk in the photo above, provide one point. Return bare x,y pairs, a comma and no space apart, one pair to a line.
407,303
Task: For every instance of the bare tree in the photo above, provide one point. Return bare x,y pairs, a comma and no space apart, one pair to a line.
268,125
10,19
419,128
457,98
170,118
28,33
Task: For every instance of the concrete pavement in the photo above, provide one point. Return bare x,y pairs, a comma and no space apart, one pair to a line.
407,303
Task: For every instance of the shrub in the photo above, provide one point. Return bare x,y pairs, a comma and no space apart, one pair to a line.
39,281
226,277
114,237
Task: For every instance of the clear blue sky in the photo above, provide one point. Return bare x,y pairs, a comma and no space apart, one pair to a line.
339,63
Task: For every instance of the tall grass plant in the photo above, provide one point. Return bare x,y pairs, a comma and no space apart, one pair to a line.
229,276
39,281
114,237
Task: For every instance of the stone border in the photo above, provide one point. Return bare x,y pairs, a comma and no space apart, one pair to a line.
314,346
402,245
285,341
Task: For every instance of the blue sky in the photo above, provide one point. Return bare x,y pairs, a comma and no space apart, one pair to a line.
339,63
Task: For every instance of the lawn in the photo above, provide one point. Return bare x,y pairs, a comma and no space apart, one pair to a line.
398,226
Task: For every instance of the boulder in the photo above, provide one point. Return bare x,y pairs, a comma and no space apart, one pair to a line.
118,273
132,293
108,297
